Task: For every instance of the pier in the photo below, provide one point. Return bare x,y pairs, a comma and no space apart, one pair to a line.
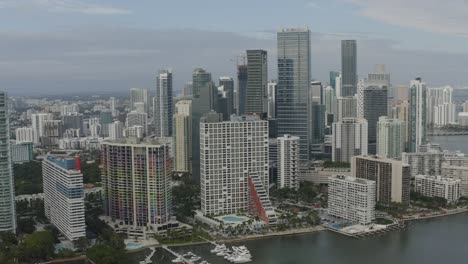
178,255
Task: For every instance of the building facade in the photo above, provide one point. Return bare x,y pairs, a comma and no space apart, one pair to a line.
288,162
349,138
7,187
424,163
389,138
292,106
163,104
257,80
417,114
64,204
437,186
183,136
136,177
349,67
392,177
352,199
230,153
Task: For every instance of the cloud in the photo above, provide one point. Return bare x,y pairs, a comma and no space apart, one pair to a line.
102,59
448,17
63,6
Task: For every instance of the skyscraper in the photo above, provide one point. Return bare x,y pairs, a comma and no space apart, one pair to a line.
389,138
7,187
440,106
64,203
333,76
38,121
417,115
242,76
202,102
293,107
374,106
183,136
288,162
163,104
257,80
349,139
349,67
272,99
227,84
136,176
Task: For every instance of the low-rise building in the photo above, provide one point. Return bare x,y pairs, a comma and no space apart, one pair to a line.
437,186
351,198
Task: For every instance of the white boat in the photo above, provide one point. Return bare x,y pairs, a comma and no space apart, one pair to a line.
179,259
219,248
195,258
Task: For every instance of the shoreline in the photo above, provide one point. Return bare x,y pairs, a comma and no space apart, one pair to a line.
447,213
293,232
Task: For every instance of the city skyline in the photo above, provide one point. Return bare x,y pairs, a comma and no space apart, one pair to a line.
67,54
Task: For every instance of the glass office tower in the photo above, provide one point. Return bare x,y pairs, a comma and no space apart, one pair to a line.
293,86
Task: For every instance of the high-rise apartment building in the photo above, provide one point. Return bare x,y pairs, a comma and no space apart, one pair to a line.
53,132
25,134
73,121
64,204
231,153
38,121
400,112
7,187
347,107
257,80
139,95
163,104
116,130
137,119
183,136
292,106
349,138
352,199
392,177
288,162
348,67
417,115
440,106
389,138
424,162
136,177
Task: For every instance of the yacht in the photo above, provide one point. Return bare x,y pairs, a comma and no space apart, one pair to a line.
219,248
179,259
195,258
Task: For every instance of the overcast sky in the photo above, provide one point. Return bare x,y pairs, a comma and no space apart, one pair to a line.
69,46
